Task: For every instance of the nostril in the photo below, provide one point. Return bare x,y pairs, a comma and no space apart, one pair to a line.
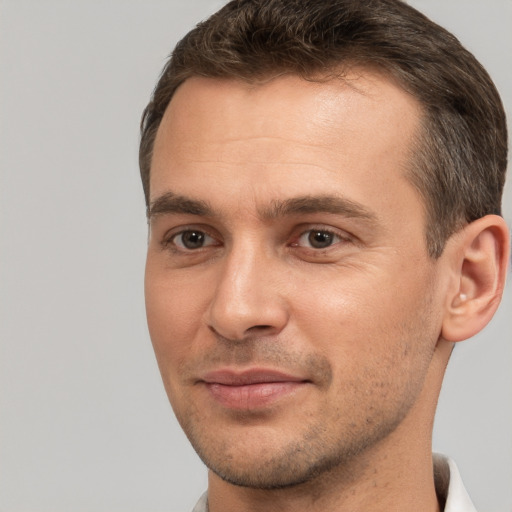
259,328
251,333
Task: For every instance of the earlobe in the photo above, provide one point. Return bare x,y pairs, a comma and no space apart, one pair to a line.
481,260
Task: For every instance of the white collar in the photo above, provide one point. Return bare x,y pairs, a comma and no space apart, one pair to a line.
449,486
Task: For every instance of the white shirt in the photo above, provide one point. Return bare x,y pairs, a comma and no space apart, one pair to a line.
448,482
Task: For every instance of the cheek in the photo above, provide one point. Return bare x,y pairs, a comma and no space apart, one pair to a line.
379,347
365,316
174,310
338,303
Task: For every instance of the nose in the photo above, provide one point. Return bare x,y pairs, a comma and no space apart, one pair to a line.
248,299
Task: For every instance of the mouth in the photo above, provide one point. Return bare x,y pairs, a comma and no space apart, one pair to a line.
251,389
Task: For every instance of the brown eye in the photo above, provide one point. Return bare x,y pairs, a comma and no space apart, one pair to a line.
192,239
318,239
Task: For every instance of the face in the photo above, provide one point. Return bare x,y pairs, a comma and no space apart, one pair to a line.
290,298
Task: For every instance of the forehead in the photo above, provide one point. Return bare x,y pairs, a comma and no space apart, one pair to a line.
287,136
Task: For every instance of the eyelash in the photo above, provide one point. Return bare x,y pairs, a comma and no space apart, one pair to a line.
324,231
169,241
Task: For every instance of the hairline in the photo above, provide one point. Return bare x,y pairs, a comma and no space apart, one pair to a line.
414,168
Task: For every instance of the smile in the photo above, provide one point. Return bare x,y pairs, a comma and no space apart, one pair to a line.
253,389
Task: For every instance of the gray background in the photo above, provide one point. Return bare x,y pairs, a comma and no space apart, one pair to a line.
85,425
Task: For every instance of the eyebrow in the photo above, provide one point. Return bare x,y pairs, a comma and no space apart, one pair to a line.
174,203
171,203
319,204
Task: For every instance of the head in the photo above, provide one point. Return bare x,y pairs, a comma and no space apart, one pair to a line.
459,159
322,180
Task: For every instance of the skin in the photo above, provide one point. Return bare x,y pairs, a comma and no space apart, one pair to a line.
242,178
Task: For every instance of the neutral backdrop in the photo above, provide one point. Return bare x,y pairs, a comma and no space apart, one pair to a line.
85,425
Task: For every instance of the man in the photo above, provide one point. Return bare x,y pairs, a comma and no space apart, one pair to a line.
323,182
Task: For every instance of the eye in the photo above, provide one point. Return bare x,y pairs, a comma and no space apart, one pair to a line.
192,239
318,239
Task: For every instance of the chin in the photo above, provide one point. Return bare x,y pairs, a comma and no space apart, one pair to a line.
269,463
274,475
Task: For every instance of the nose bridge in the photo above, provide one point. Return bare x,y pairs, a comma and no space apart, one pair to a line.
247,295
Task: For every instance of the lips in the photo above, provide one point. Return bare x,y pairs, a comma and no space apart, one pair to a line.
252,389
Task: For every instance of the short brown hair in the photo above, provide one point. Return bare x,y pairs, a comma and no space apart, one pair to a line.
458,164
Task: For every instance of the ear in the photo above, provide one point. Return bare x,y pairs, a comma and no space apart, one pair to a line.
480,261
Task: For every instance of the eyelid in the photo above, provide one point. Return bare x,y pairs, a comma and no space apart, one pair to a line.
335,238
344,236
171,234
166,241
174,239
